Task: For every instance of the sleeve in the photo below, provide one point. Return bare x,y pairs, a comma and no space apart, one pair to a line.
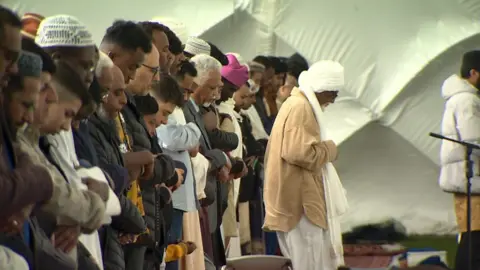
25,185
220,139
163,172
176,137
300,144
130,220
118,174
467,120
174,252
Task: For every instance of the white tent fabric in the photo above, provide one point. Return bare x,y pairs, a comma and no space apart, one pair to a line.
396,54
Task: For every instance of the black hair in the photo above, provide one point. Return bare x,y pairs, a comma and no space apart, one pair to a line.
29,45
265,61
8,17
296,65
279,65
73,84
146,105
471,60
176,46
187,68
216,53
149,27
128,35
168,90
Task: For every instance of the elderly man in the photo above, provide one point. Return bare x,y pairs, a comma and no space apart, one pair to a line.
305,212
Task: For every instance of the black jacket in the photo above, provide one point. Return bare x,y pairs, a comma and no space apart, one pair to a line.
154,198
107,144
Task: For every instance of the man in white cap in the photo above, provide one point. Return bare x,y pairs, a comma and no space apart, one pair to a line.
301,184
66,38
195,46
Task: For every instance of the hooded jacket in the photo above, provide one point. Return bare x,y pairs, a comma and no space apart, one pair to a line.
461,121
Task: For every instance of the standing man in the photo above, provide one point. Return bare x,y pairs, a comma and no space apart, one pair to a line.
301,212
461,121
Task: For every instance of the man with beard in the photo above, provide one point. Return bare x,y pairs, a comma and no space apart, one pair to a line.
20,177
461,121
104,134
158,34
72,208
305,213
206,88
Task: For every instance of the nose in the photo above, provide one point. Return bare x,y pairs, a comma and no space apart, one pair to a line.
123,99
28,118
67,125
89,78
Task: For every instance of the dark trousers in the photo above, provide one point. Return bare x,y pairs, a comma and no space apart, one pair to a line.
175,235
461,260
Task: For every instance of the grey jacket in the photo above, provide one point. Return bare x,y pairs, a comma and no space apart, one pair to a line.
214,190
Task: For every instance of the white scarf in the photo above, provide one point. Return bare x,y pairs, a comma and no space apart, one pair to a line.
335,194
228,107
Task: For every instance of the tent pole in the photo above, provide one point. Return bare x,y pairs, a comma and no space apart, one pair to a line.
469,175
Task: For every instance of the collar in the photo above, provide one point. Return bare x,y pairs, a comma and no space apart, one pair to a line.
197,109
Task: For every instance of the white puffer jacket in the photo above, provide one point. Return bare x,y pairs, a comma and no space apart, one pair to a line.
461,121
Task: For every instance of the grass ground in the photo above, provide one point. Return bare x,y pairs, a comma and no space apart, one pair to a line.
447,243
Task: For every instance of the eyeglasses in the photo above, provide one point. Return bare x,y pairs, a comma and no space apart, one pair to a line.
154,70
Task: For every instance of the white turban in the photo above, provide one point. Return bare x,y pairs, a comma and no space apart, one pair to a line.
325,75
63,31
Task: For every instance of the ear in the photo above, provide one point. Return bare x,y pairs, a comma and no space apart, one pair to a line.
56,56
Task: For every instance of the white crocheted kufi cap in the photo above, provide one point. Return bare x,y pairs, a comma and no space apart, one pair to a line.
178,27
196,46
325,75
63,31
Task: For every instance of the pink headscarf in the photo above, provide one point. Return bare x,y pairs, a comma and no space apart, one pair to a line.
234,72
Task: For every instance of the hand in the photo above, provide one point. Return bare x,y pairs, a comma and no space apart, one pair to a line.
180,176
65,238
101,188
126,239
147,172
139,158
210,120
242,173
13,224
223,174
194,151
191,247
250,161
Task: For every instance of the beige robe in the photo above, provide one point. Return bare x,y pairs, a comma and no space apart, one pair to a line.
293,168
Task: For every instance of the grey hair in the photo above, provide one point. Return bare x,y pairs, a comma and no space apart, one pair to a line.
204,64
103,62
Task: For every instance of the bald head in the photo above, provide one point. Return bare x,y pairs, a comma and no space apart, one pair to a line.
146,74
118,79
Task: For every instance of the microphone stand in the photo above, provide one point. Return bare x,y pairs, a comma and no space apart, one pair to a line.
468,174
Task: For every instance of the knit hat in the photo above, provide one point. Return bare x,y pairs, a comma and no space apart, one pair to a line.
196,46
323,76
234,72
256,67
63,31
30,24
179,28
29,64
